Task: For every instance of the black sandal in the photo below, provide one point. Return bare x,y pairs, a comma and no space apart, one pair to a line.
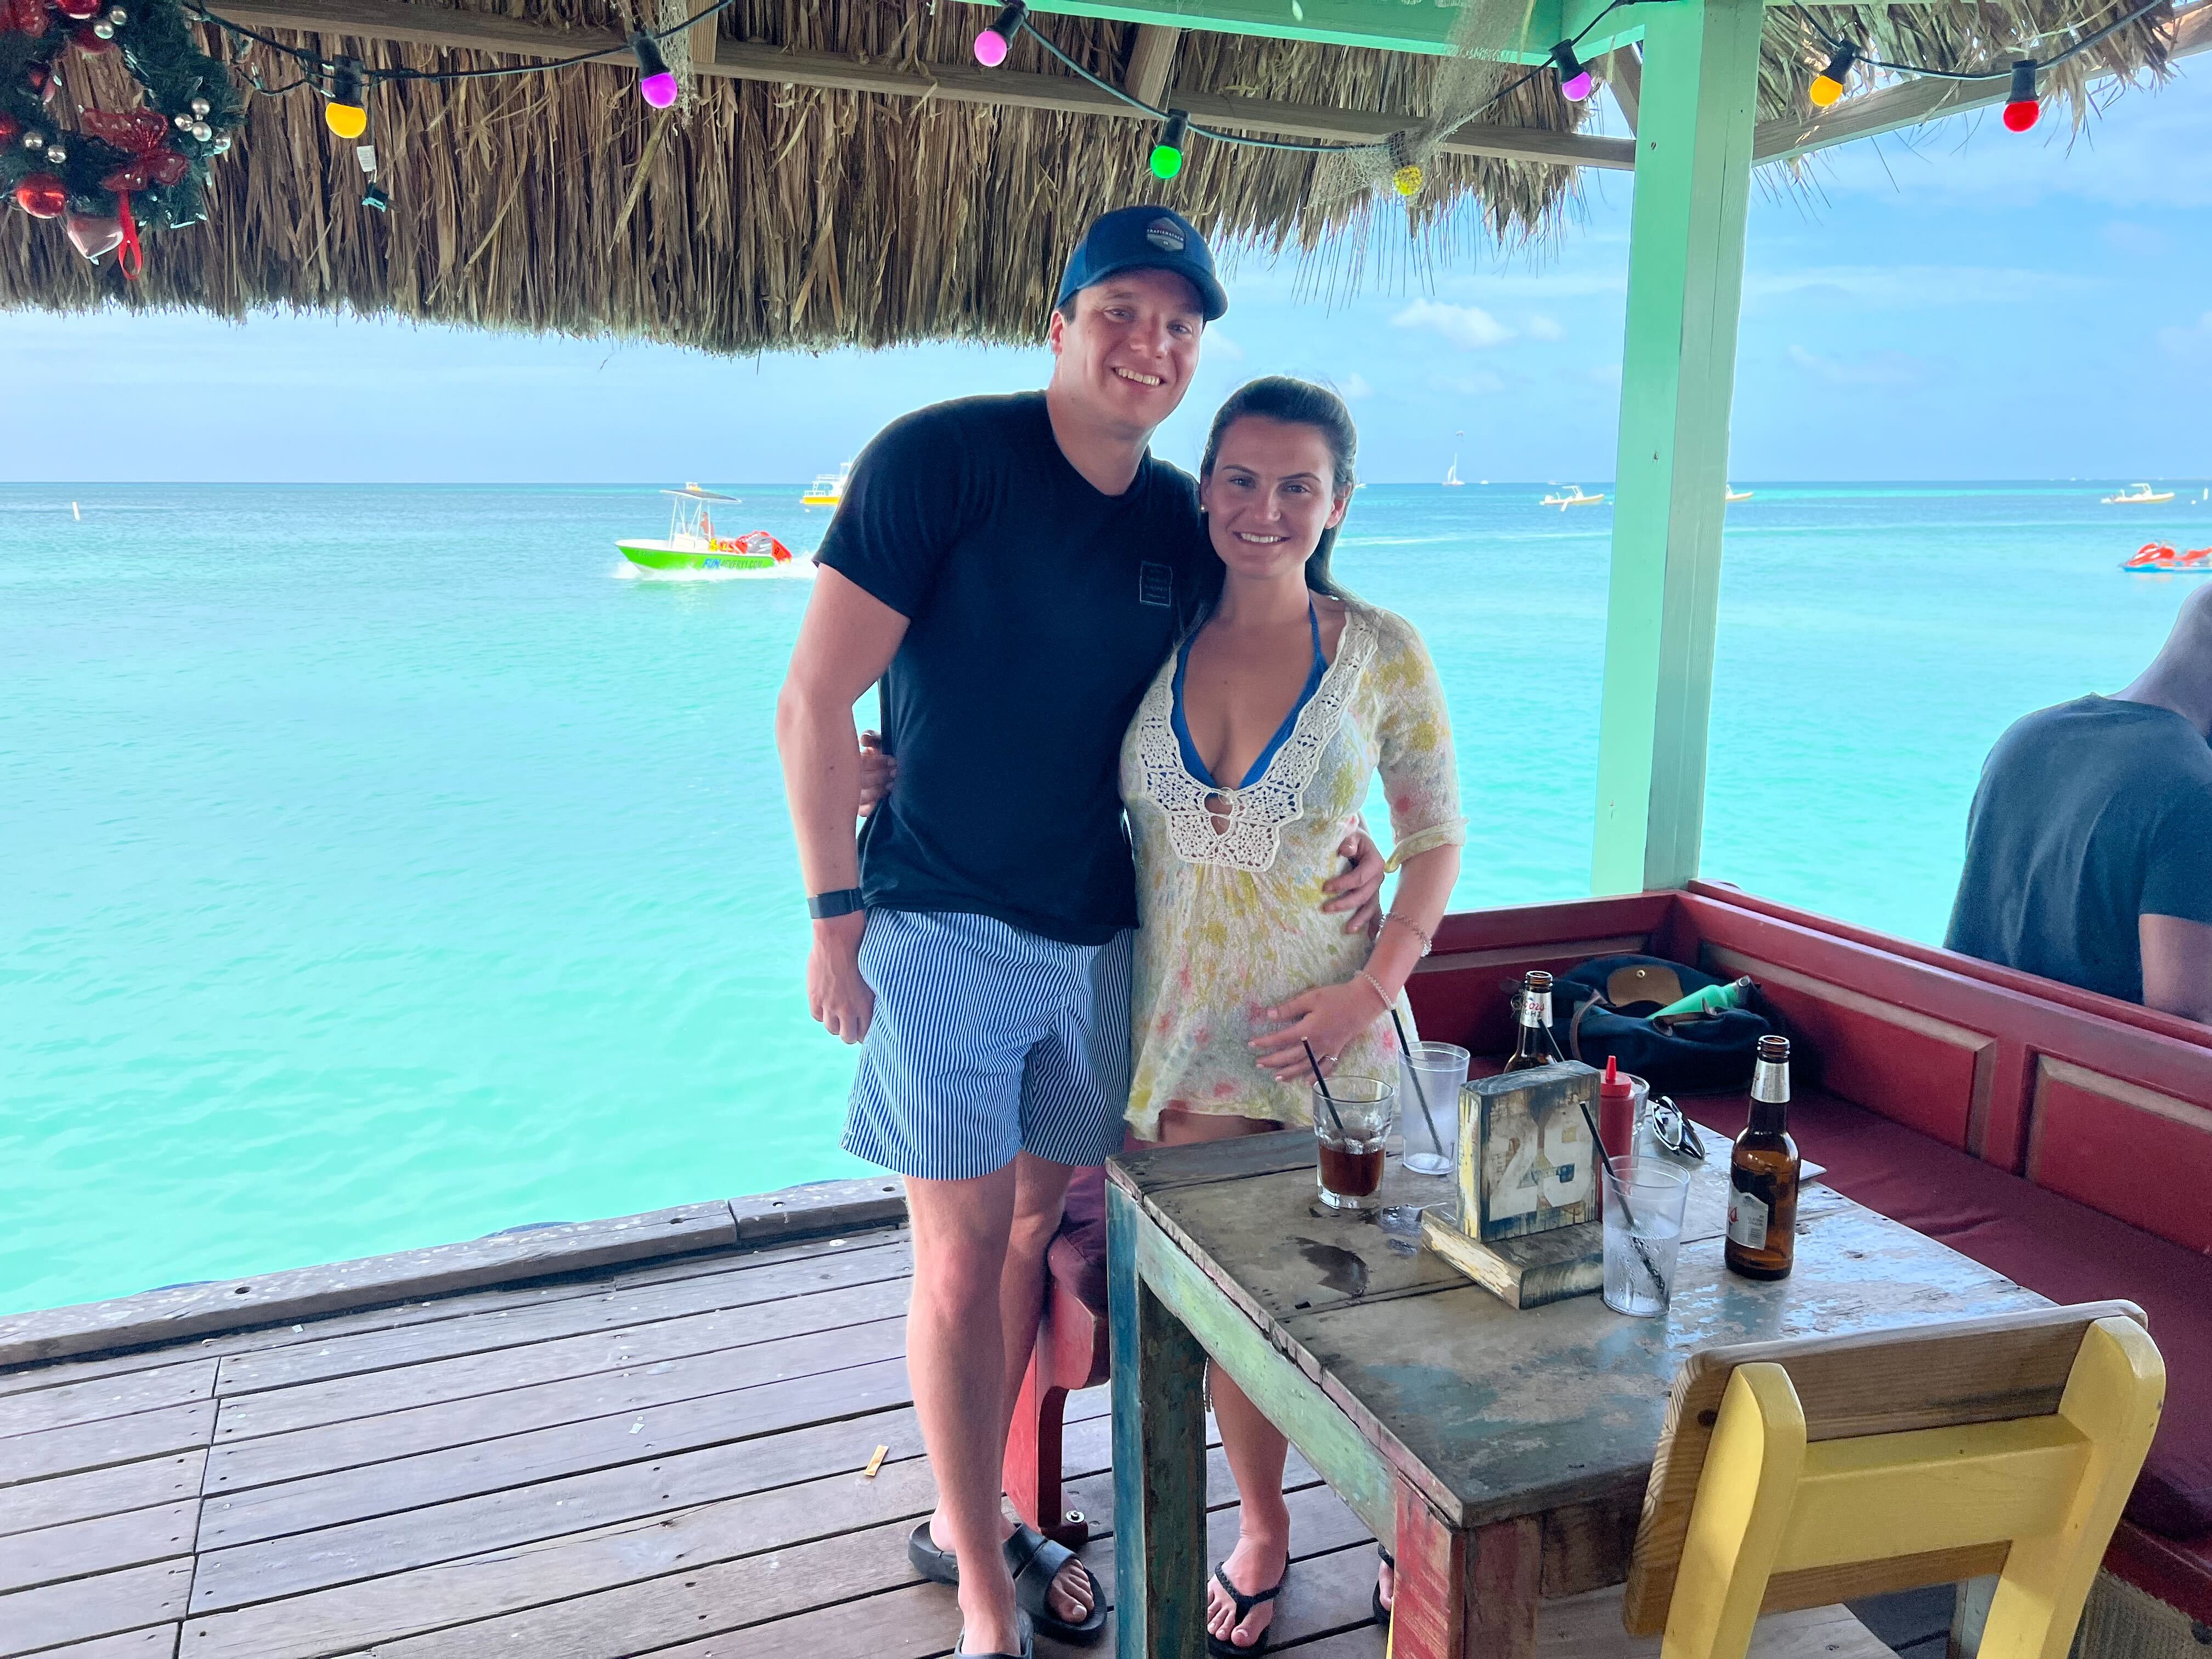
1381,1613
1035,1562
1029,1643
1218,1648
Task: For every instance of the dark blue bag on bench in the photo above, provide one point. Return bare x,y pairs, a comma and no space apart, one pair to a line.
1602,1009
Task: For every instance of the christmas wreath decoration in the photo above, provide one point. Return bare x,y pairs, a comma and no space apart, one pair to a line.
110,172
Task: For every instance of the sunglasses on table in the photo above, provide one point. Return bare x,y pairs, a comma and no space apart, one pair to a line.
1672,1129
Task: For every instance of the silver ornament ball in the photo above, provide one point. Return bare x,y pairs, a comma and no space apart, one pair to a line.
182,123
34,141
222,144
118,16
200,107
203,131
56,154
104,29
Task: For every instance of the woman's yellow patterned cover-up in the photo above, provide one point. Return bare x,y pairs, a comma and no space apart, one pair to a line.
1232,921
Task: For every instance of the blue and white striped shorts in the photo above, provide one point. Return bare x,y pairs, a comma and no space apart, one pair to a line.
988,1041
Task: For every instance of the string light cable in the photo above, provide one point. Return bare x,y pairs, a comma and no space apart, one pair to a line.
2023,105
320,66
1016,18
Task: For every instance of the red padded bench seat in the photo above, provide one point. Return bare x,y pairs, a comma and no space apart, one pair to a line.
2069,1253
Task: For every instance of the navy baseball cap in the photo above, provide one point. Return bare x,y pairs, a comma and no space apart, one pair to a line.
1144,238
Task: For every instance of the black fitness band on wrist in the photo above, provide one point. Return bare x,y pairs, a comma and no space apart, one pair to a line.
823,907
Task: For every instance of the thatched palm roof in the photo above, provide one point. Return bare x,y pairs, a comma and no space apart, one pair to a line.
767,215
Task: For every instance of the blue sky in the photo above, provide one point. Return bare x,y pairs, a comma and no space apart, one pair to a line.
1964,304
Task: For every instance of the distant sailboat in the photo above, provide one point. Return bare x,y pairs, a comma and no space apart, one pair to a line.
1738,494
1452,480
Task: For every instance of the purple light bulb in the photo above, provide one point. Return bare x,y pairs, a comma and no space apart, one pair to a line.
659,90
1579,88
990,49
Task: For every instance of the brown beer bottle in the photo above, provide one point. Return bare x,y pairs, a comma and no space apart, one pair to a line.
1534,1044
1763,1171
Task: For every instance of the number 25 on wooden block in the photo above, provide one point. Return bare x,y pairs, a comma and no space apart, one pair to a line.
1525,1152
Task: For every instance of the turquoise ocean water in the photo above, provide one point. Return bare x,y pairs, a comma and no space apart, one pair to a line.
384,866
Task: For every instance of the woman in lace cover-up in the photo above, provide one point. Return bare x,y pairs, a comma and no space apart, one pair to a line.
1250,752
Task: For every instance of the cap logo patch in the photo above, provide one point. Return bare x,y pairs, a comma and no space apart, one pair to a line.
1166,235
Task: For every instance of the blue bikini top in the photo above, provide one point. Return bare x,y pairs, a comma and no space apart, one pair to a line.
1196,767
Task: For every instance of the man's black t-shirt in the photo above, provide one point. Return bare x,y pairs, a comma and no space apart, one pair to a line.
2090,815
1038,610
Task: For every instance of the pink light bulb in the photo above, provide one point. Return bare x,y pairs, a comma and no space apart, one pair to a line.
1579,88
659,90
990,49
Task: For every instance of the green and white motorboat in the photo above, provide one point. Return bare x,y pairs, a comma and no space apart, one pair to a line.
692,543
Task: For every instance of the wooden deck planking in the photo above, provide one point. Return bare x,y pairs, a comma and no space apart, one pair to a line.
253,1461
380,1488
504,1301
131,1539
51,1452
105,1604
615,1310
561,1360
98,1399
154,1642
69,1498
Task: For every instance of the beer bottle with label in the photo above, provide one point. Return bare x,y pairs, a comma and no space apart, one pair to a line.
1534,1044
1763,1171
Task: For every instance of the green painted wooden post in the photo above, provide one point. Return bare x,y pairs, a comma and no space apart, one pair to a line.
1159,1459
1678,374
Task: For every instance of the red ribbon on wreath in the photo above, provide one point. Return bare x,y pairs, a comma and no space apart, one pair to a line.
143,134
23,17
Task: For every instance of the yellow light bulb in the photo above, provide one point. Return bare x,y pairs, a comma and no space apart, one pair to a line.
347,120
1406,181
1825,91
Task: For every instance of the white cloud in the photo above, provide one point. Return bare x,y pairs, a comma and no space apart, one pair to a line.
2138,241
1480,383
1468,326
1354,386
2189,339
1912,288
1868,368
1541,327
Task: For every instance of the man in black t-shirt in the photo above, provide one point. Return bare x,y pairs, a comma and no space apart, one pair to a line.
2089,847
1012,571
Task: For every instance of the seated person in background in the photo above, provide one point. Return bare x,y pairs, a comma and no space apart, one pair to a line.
2089,847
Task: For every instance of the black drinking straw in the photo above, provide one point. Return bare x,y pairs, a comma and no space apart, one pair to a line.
1421,1095
1328,1098
1620,1194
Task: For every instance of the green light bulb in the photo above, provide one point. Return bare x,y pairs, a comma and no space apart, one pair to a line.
1167,161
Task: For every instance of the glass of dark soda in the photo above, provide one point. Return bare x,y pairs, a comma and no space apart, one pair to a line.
1350,1128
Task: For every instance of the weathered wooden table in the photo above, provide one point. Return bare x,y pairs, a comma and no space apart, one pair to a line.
1502,1454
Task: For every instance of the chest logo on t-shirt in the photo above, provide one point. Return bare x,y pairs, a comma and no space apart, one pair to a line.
1156,585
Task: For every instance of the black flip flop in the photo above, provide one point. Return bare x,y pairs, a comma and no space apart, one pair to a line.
1029,1643
1381,1613
1217,1648
1034,1561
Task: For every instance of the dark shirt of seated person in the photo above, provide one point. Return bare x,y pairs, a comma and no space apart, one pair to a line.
2089,846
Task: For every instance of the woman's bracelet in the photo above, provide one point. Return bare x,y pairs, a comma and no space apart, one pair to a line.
1389,1002
1419,931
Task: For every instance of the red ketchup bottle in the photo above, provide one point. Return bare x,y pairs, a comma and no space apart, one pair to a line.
1616,1111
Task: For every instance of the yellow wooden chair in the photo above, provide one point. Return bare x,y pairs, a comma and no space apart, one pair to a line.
1799,1475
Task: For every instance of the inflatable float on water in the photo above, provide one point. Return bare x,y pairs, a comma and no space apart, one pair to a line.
2160,558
